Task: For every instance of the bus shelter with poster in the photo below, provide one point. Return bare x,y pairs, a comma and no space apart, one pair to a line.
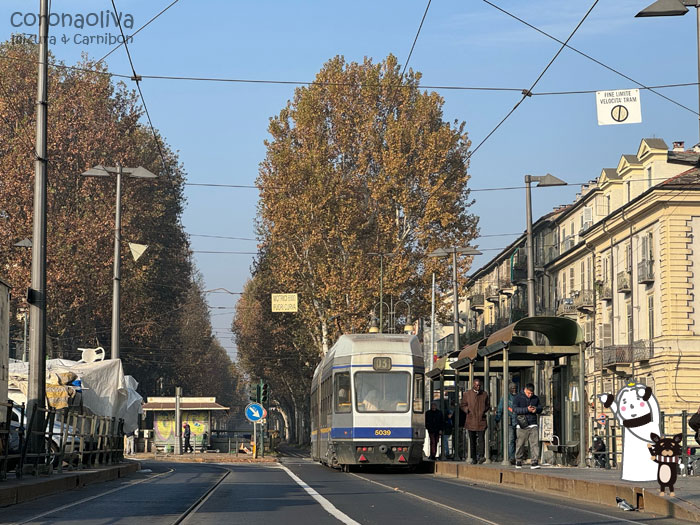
515,352
446,387
198,412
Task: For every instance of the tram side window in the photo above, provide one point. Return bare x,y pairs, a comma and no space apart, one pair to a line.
418,393
342,393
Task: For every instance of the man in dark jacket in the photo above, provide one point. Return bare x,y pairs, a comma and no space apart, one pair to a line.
526,406
475,403
512,420
434,424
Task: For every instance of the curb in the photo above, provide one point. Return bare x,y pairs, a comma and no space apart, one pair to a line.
583,490
31,488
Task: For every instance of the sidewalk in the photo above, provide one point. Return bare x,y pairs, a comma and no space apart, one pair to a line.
14,491
590,485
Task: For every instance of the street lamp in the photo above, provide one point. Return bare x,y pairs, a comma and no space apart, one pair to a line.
135,173
542,182
381,284
675,8
444,252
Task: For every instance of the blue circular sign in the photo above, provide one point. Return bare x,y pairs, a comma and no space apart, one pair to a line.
254,412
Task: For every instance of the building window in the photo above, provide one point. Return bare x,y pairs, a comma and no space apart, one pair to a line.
589,274
650,306
571,279
628,256
650,180
583,272
630,324
607,204
629,190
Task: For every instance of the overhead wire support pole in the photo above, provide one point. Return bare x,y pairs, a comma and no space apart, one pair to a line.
36,295
116,288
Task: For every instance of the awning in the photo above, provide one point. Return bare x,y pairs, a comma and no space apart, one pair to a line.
559,331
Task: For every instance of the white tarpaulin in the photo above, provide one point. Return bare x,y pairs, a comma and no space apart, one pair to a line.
106,391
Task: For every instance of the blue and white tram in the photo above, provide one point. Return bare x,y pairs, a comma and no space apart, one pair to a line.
367,402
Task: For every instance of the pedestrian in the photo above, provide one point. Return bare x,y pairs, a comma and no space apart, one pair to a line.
475,403
512,420
187,434
434,424
694,423
448,432
130,443
526,406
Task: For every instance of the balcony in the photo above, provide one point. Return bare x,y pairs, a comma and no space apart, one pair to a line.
645,271
492,294
605,291
566,307
505,287
476,302
627,354
584,301
624,282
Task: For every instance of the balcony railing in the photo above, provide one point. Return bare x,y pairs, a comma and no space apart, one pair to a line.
624,284
476,301
606,292
517,313
519,275
584,300
505,286
491,294
566,307
645,271
628,354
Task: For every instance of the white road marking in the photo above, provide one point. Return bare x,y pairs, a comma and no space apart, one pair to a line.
84,500
511,491
327,505
426,500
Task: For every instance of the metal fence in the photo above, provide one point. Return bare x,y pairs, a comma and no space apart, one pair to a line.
66,440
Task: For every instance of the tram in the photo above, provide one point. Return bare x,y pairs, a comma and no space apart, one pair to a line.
367,402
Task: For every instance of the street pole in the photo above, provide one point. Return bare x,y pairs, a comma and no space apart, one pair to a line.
178,421
458,434
530,251
381,293
37,293
117,267
432,329
24,350
456,300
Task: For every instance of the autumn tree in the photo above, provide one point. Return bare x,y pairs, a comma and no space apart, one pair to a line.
362,162
95,121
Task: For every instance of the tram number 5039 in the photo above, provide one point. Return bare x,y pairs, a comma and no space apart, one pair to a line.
382,432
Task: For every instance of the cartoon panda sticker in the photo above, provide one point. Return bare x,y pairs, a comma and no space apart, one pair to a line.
637,411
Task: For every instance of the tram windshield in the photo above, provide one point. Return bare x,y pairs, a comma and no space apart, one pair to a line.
382,391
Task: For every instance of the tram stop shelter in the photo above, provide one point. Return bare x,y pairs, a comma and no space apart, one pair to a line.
513,347
198,412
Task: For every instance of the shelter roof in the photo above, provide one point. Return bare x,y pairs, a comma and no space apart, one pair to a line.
170,406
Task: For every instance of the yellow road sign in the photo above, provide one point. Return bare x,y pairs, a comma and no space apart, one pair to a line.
285,302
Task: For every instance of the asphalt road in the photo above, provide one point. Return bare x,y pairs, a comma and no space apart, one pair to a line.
304,493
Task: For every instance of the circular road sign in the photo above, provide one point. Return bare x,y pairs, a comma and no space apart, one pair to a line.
254,412
619,113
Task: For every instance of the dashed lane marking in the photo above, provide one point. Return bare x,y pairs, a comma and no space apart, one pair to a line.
327,505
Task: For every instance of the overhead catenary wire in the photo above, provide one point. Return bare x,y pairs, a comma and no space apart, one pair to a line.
137,80
609,68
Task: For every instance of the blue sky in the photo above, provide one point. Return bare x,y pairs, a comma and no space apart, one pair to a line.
219,129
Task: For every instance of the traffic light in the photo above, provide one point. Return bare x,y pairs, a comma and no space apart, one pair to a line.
264,395
256,395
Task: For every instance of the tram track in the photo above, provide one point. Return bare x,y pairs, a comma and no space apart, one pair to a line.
192,510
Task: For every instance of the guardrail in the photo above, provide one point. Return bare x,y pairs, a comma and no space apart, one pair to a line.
66,439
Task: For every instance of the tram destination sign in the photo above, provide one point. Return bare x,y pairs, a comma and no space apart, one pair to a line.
620,106
285,302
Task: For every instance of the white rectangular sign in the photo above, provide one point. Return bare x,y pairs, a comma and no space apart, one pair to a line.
284,302
620,106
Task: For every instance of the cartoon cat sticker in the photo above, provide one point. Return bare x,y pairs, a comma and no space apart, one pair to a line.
666,452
